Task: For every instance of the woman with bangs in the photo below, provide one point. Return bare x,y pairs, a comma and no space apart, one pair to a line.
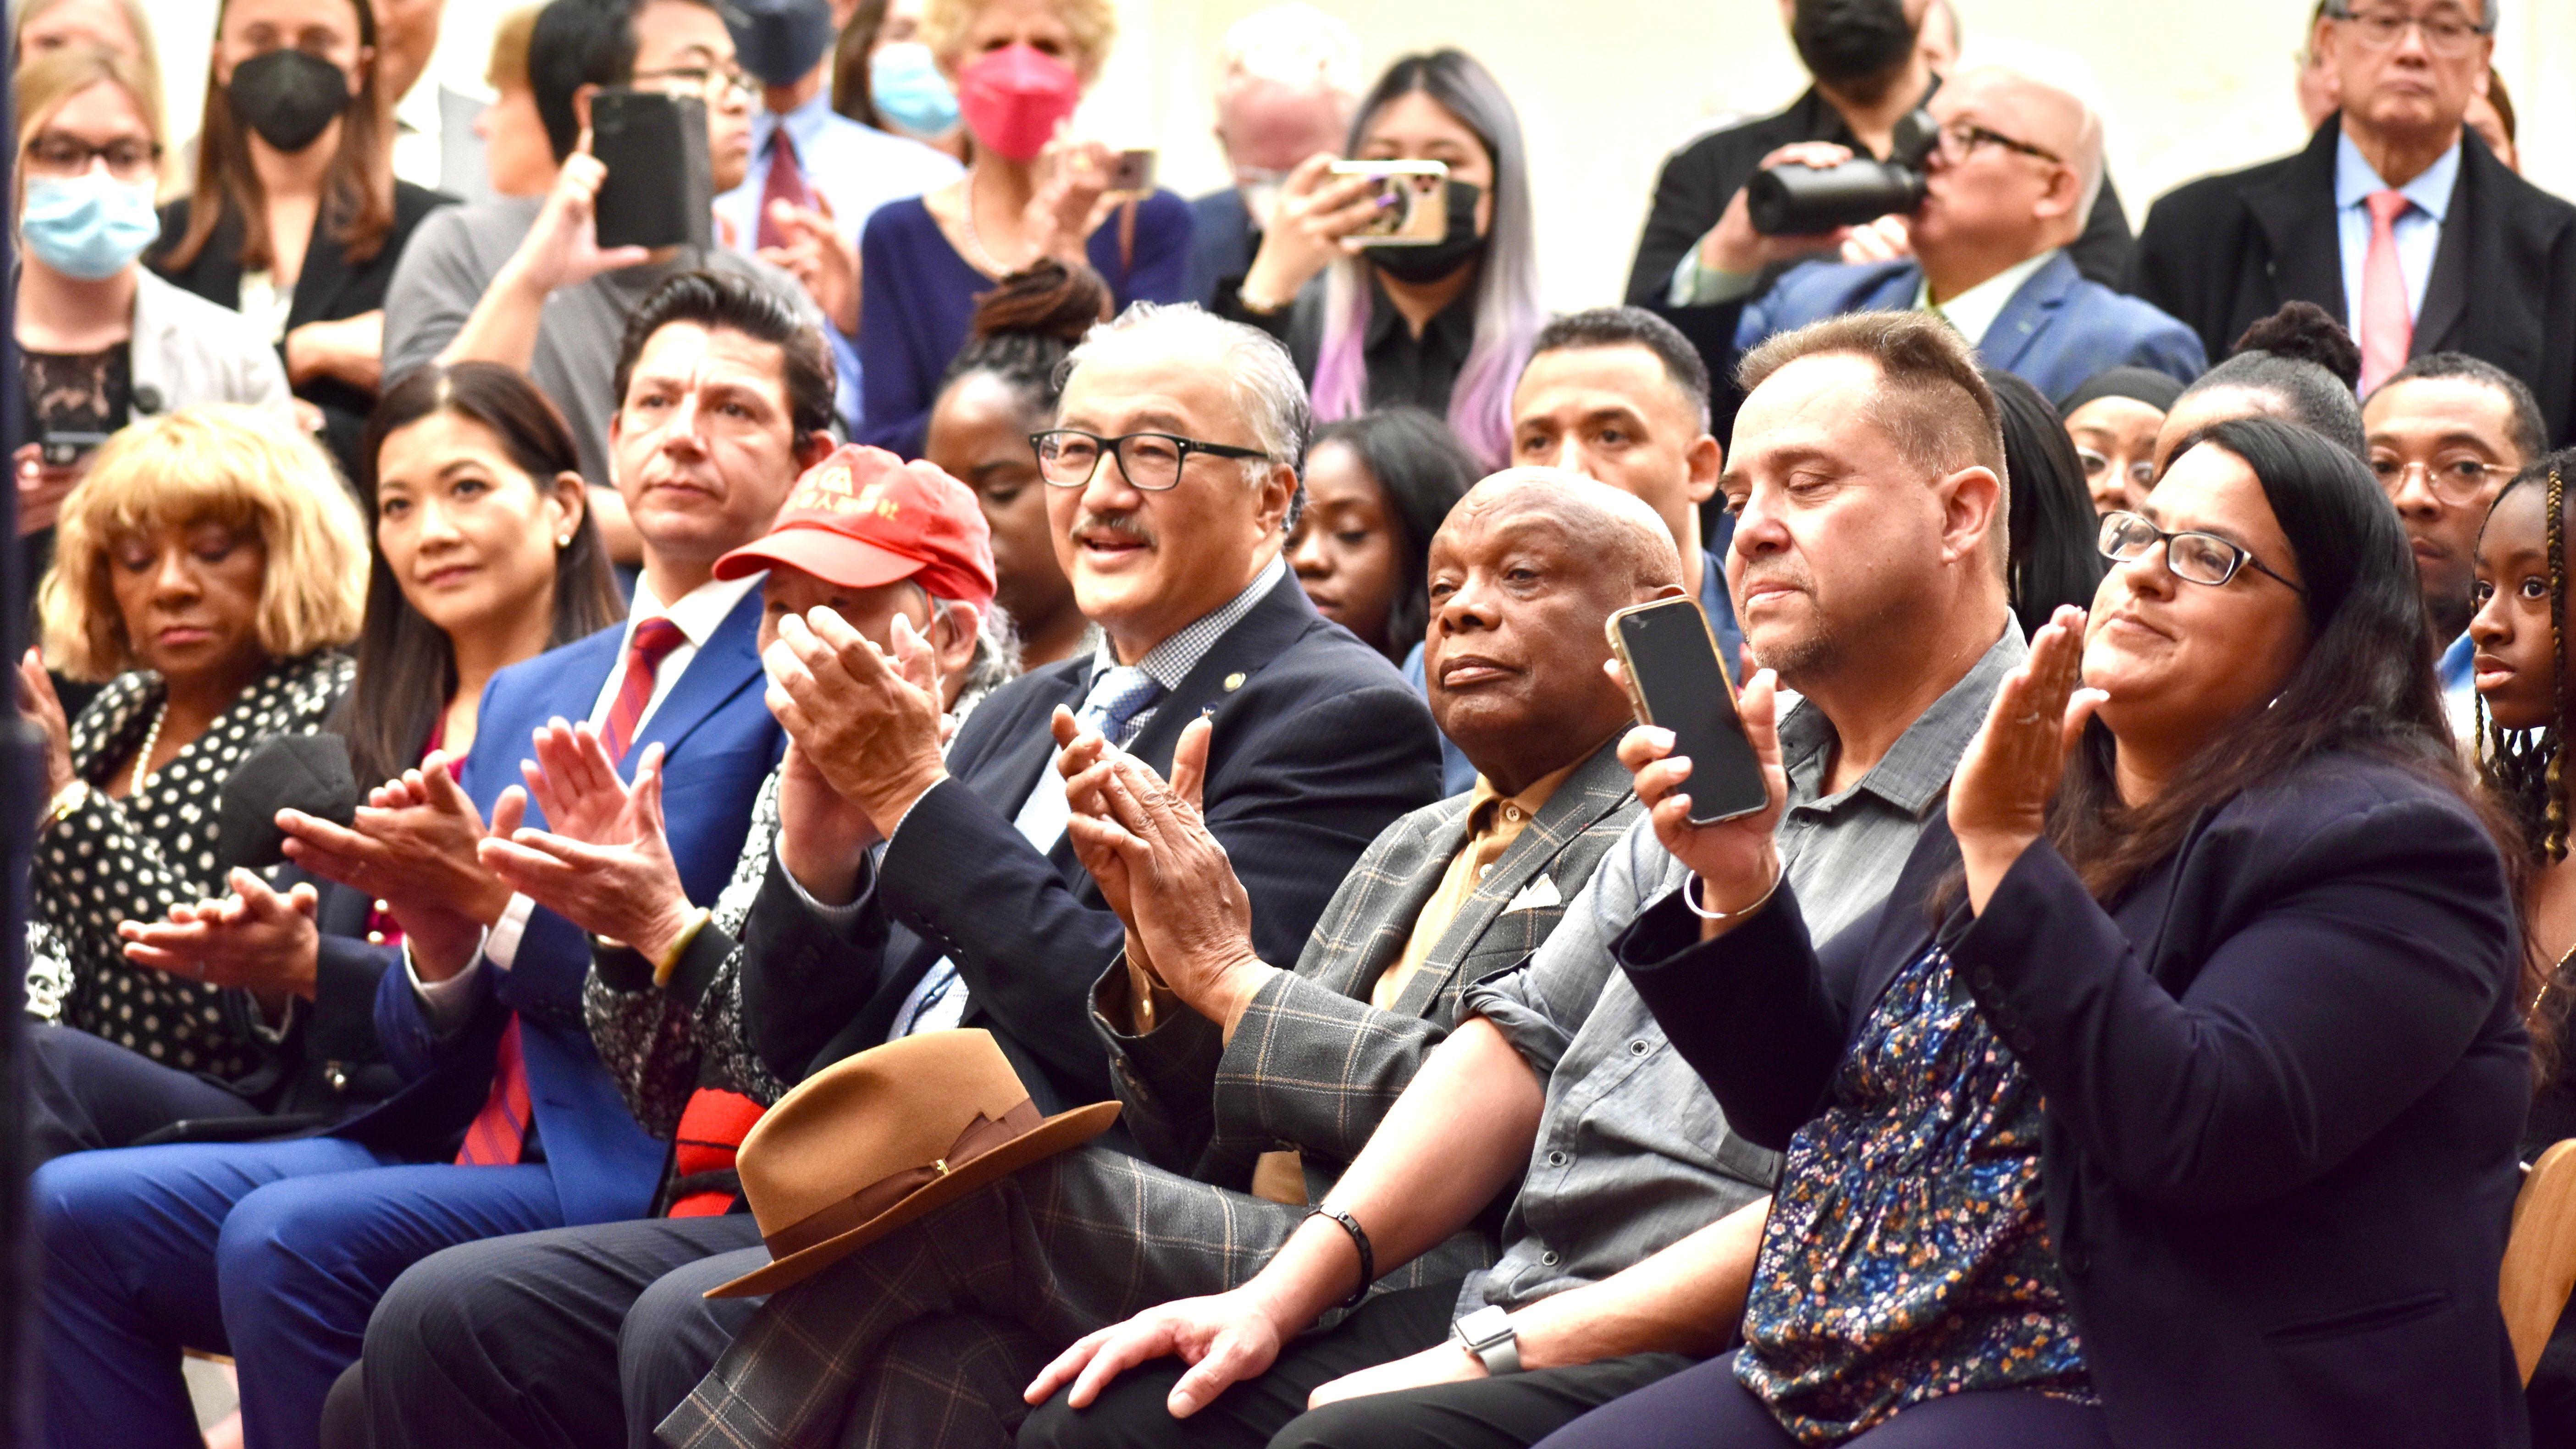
208,568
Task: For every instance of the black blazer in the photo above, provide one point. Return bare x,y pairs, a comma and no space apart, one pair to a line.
1319,745
2224,251
328,289
2284,1075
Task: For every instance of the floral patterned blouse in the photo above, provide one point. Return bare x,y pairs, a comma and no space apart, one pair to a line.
1907,1255
132,859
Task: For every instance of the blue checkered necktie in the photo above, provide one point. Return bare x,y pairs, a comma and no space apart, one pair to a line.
1119,695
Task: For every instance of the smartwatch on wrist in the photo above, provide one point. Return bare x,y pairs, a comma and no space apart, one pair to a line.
1487,1333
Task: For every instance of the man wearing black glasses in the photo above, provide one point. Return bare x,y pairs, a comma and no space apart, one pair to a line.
2396,219
2007,191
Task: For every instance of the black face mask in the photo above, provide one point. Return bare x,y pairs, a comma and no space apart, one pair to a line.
1855,46
288,97
1431,263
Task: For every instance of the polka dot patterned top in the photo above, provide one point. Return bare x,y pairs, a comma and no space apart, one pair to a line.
132,859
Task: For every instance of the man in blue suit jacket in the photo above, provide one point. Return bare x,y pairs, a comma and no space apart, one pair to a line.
275,1252
2008,190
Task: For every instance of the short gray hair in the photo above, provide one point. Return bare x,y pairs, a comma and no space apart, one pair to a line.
1292,44
1260,377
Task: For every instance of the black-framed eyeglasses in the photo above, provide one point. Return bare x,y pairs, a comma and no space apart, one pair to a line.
2456,481
2447,32
59,153
1067,457
2198,558
713,84
1960,137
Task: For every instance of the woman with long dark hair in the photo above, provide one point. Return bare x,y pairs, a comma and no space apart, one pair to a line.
1377,487
2171,1099
1444,327
2054,561
295,219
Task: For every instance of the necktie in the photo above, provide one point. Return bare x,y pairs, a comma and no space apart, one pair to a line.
786,183
2387,323
1118,695
501,1128
654,639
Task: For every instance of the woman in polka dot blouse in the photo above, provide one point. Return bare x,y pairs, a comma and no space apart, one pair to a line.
209,568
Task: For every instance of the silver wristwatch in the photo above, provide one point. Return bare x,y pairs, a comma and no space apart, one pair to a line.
1487,1333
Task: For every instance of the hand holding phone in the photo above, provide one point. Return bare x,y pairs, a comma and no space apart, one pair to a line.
1707,762
1412,199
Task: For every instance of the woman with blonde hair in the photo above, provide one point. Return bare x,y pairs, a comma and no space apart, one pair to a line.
1030,193
209,568
101,340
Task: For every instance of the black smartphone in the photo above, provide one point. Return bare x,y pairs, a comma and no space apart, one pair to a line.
660,190
63,449
1677,682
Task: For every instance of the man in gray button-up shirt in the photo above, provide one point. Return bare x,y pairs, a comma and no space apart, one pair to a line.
1868,568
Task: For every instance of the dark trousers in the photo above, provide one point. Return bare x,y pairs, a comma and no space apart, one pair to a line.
84,1092
575,1338
1705,1408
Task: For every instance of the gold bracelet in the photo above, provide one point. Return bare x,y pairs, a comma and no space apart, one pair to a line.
670,962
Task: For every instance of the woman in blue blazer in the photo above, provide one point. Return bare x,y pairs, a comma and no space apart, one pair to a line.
2171,1099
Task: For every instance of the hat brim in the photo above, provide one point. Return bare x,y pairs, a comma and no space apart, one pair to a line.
835,558
1056,1134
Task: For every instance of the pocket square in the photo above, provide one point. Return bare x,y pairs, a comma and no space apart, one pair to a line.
1538,893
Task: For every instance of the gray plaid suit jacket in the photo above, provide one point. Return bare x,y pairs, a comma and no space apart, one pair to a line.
1313,1066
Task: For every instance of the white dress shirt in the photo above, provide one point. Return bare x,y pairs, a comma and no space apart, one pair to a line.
1972,313
699,613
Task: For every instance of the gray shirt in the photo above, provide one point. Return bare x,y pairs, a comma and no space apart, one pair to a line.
1632,1152
450,262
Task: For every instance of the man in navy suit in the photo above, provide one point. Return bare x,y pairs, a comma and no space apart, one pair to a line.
276,1252
1287,78
2008,191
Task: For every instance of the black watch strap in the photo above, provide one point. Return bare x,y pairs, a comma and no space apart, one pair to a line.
1359,1239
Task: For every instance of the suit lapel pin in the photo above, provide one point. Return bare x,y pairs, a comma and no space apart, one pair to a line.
1234,681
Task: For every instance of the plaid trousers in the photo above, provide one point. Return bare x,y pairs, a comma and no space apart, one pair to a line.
1001,1279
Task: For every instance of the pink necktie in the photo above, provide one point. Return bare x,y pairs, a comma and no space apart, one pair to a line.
2387,325
786,183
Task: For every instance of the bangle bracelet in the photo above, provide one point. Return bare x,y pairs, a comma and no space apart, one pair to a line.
1359,1239
1264,308
1694,885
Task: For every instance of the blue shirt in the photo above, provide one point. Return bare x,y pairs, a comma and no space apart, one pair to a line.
857,169
2458,672
2418,228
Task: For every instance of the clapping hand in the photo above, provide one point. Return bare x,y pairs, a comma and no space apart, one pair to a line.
607,867
38,702
256,939
2000,795
412,846
868,722
1737,861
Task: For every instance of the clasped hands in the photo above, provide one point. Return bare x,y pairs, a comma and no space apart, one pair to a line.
1146,842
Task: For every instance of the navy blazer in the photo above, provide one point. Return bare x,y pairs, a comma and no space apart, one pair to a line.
720,743
1222,245
2284,1074
2058,330
1319,745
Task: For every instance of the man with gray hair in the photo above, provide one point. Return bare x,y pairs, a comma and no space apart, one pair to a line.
1288,78
2007,192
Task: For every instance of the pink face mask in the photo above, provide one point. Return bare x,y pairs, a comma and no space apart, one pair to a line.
1015,97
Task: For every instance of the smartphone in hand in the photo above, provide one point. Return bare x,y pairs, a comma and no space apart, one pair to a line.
660,190
1677,682
1413,202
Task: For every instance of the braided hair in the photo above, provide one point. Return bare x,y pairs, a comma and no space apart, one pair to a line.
2525,770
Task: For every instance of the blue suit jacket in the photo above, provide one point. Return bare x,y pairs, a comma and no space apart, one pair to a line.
2057,331
720,743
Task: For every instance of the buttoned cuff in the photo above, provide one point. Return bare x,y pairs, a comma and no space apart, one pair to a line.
838,917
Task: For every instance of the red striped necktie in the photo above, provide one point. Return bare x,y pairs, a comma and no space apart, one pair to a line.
654,639
786,183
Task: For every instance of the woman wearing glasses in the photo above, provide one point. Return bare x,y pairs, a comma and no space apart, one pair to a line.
294,217
2172,1098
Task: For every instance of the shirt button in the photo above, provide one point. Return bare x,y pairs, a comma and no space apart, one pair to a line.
1640,1047
384,905
1556,1159
1548,1259
1512,812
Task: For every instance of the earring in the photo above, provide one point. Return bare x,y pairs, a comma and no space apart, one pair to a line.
564,542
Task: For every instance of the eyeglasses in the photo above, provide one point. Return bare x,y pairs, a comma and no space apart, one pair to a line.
2447,33
2097,466
2199,558
715,85
2458,482
1959,138
55,153
1067,457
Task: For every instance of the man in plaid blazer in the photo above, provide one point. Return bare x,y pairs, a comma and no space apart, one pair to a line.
927,1335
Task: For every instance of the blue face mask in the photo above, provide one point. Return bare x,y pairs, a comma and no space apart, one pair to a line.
910,92
90,226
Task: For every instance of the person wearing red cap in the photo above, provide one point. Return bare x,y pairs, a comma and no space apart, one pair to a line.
901,553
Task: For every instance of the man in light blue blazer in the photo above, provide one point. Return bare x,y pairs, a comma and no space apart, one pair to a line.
2009,187
275,1252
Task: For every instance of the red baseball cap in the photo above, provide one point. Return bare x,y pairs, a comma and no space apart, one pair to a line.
864,517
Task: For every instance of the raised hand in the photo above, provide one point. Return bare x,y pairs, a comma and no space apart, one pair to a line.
868,723
255,939
1071,198
562,249
1999,796
819,258
619,883
1737,861
1191,911
38,702
1310,230
1082,758
1225,1339
574,782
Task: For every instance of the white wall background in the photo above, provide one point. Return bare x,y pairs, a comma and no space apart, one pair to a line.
1607,87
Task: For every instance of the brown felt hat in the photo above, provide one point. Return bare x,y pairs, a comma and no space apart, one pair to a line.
869,1144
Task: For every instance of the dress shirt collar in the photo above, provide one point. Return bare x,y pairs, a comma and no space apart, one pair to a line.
699,613
1917,768
1973,312
1486,805
803,124
418,111
2431,192
1171,661
1454,325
